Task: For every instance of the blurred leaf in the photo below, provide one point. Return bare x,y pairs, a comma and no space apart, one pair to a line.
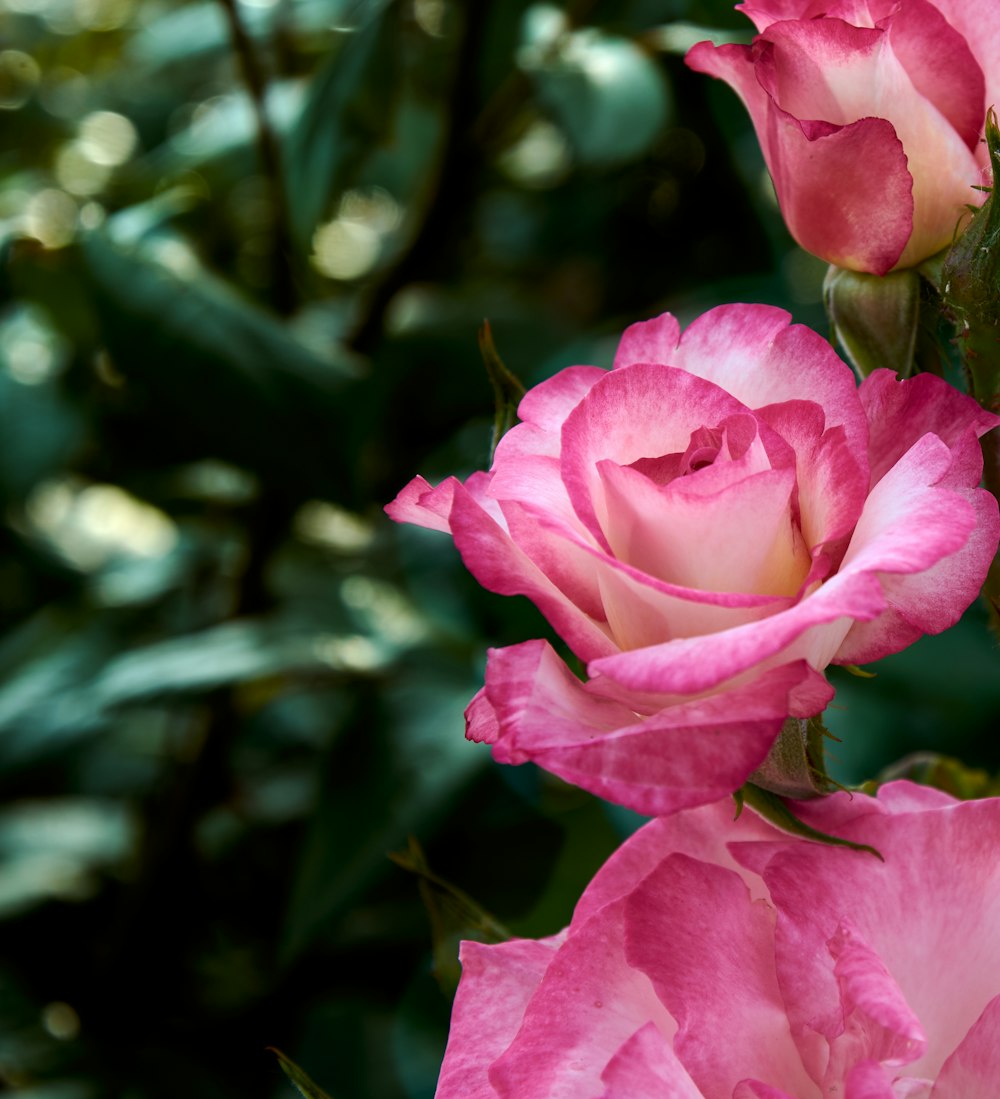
69,685
395,766
41,432
186,33
609,97
49,848
943,773
454,916
212,361
303,1083
348,111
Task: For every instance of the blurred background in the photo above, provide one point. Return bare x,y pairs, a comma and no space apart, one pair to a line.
245,248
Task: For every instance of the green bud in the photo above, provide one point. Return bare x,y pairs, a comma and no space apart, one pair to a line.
874,317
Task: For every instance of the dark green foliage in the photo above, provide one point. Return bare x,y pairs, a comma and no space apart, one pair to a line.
230,689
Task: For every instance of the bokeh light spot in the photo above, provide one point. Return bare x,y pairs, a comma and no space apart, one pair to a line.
19,73
107,138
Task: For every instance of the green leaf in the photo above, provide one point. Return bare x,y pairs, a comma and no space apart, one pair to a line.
304,1084
396,764
70,680
776,811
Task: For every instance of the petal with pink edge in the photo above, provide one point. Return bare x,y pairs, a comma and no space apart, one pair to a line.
746,350
908,524
547,404
698,541
878,1023
589,1003
827,73
916,942
423,505
693,664
976,21
901,411
481,724
647,1068
497,983
500,565
641,411
704,833
941,65
845,191
930,601
687,754
694,931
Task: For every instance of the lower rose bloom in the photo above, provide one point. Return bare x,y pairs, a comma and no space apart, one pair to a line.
721,959
708,525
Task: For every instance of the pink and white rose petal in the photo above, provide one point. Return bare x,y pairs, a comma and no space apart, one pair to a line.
714,958
870,115
707,526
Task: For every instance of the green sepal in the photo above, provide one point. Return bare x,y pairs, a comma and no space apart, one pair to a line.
453,916
795,766
775,810
875,318
508,389
302,1082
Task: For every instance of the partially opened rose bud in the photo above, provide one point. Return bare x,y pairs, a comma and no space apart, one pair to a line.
869,116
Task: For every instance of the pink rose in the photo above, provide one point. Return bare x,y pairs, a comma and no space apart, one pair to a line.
721,959
869,114
707,526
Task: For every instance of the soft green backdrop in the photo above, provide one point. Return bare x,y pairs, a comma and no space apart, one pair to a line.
229,687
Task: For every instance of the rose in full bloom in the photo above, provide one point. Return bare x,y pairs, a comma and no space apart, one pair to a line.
870,115
708,525
721,959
